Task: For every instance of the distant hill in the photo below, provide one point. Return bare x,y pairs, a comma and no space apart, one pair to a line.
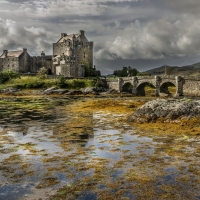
189,70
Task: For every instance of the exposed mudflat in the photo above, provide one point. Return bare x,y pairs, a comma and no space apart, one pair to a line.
60,147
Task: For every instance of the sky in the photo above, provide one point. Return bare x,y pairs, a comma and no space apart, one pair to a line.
143,34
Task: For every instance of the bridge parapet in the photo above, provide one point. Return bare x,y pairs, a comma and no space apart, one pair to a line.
187,85
195,78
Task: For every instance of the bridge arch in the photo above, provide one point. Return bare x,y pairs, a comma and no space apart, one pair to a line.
141,88
164,87
127,87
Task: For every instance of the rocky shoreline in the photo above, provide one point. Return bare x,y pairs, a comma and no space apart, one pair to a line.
167,110
56,90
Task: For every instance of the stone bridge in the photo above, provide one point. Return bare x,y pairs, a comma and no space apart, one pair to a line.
185,85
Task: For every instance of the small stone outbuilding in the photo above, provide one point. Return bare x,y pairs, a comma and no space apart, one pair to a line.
18,61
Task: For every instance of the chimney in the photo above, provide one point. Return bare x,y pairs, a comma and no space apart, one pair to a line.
82,32
5,52
82,35
42,54
24,49
63,34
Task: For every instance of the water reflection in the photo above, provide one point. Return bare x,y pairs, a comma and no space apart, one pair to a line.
104,159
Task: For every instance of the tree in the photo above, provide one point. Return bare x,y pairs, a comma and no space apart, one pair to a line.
126,71
89,70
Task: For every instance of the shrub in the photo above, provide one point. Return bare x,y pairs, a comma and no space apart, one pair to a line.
7,75
100,83
61,82
80,83
34,85
42,73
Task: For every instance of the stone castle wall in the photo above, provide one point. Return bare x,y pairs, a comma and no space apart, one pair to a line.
69,55
85,54
59,48
9,64
24,62
19,64
38,62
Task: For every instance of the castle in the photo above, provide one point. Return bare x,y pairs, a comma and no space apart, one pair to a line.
70,56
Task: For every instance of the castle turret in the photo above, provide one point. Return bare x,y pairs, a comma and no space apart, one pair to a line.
5,53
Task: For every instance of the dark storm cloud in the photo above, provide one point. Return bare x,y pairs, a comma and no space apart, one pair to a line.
185,6
140,32
14,37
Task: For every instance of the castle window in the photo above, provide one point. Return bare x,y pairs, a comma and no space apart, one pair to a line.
84,55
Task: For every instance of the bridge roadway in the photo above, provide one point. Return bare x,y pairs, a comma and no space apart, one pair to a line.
185,85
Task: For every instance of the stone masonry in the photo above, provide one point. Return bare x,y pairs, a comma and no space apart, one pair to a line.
19,61
70,55
184,85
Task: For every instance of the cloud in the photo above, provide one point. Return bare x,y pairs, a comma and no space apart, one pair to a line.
191,7
154,40
122,30
14,37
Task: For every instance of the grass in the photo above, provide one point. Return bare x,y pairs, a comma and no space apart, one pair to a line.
30,82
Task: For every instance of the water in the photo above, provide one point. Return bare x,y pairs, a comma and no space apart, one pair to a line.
109,160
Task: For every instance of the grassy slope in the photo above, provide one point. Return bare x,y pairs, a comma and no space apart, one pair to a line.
30,82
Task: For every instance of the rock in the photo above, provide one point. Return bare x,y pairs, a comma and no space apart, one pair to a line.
163,94
112,91
100,89
10,90
170,110
93,90
60,91
88,90
75,92
50,90
55,90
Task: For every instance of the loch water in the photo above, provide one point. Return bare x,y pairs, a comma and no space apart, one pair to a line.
43,155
